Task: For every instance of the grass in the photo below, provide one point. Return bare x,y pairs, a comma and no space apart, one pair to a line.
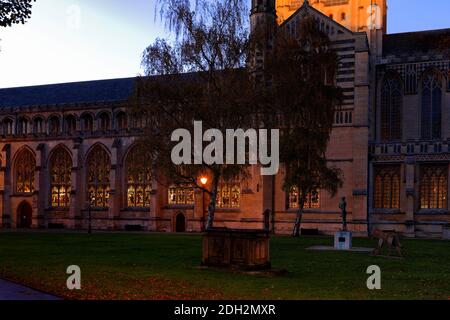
165,266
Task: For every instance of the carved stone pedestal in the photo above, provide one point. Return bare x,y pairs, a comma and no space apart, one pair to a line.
343,240
233,248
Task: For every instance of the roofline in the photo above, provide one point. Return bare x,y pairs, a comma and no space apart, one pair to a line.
307,5
415,32
71,82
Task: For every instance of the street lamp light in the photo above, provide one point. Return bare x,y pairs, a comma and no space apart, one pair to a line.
90,215
203,181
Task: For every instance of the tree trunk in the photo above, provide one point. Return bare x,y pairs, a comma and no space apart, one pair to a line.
298,221
212,205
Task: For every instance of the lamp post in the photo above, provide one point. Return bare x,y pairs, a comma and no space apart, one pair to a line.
203,181
89,216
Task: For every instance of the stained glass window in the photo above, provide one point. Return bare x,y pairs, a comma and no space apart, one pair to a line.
98,182
228,195
60,178
387,187
433,187
139,178
312,199
181,195
391,109
25,170
431,106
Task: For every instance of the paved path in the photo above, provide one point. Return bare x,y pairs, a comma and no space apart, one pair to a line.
12,291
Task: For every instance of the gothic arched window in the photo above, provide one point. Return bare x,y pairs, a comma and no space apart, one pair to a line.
22,126
228,195
433,187
431,106
98,183
181,195
7,127
24,172
312,199
87,122
104,121
387,187
71,124
54,125
39,125
60,178
121,121
391,109
139,178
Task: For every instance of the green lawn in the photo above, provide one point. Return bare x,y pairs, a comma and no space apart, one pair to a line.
165,266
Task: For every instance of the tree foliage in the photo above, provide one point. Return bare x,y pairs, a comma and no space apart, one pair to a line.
14,12
207,73
303,98
199,77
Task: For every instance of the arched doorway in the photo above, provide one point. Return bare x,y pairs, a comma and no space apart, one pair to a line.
180,223
24,215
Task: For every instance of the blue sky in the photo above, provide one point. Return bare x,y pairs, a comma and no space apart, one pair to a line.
76,40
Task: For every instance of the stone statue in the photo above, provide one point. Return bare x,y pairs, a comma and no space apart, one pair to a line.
343,207
391,238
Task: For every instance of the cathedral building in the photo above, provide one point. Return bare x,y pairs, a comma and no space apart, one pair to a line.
70,153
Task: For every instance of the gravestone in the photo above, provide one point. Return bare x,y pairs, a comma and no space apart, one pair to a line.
234,248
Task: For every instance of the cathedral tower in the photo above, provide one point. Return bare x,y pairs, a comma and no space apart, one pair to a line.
356,15
262,23
263,11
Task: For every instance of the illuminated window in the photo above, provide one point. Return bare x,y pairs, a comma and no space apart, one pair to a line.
433,187
181,195
24,172
98,170
391,109
60,178
228,195
431,107
312,199
387,187
139,178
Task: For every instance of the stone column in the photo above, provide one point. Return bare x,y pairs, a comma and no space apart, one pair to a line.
411,196
76,204
41,184
79,193
114,195
5,214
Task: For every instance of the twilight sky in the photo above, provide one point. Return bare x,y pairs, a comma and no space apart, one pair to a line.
76,40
